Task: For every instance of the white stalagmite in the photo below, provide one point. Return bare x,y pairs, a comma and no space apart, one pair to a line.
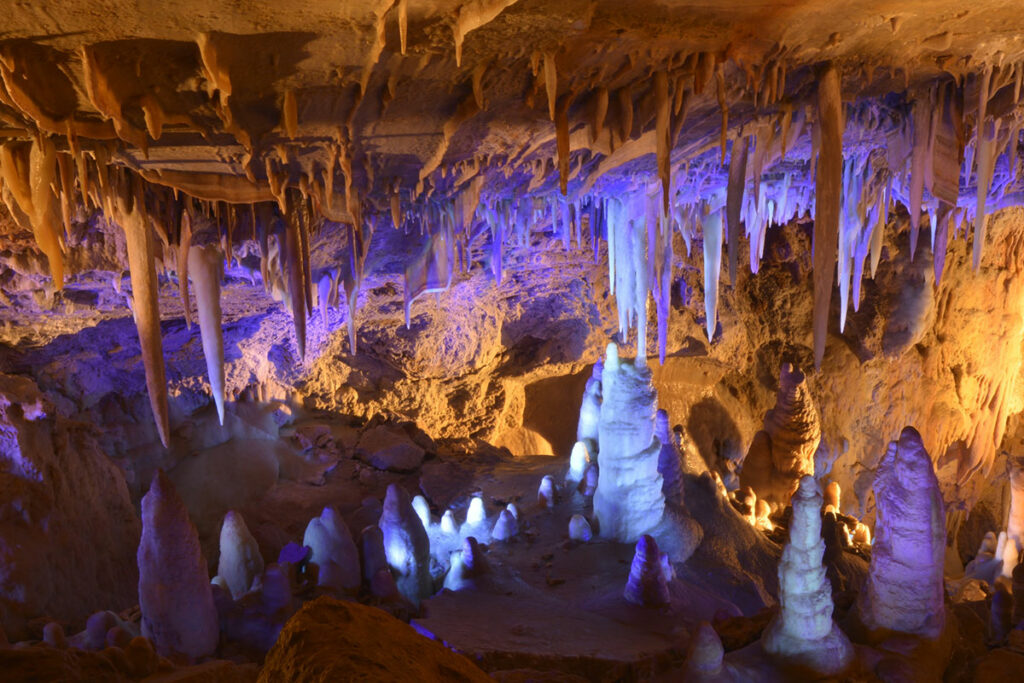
422,508
1015,516
334,551
205,268
628,501
590,410
175,597
904,588
803,632
579,528
546,492
448,524
240,560
506,527
406,545
579,460
670,465
475,514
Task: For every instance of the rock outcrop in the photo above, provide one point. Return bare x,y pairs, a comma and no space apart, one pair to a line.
330,640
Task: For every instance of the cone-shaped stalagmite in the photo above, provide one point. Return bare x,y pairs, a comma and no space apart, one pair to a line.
205,267
240,560
647,584
803,632
175,596
828,183
406,544
334,551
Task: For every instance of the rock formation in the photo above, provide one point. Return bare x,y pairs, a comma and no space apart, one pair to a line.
783,451
670,459
904,589
240,560
587,429
205,267
628,501
406,545
546,492
468,565
579,460
704,656
422,508
334,551
505,527
579,529
647,584
803,632
178,615
376,571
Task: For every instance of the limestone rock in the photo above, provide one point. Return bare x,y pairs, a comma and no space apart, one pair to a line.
803,632
178,614
330,640
387,447
904,588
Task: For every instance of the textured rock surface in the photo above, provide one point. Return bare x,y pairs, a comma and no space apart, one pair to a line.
329,640
904,588
68,530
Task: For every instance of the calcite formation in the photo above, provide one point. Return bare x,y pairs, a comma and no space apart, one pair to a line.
647,584
804,632
333,551
628,501
240,561
670,465
406,545
904,589
783,451
178,614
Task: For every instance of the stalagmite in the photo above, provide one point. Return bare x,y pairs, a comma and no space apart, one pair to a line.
205,267
734,201
406,544
832,495
827,200
704,656
647,584
506,527
783,451
448,524
712,269
904,588
175,598
546,492
475,514
422,508
803,632
290,114
590,410
468,565
145,300
628,501
999,624
590,479
240,560
1018,593
669,460
376,572
579,528
579,460
334,551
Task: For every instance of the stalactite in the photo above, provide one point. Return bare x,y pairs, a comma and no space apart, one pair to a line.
562,143
734,201
723,105
828,181
664,148
625,97
184,243
712,269
205,267
600,112
551,82
918,159
987,134
403,23
131,214
291,257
